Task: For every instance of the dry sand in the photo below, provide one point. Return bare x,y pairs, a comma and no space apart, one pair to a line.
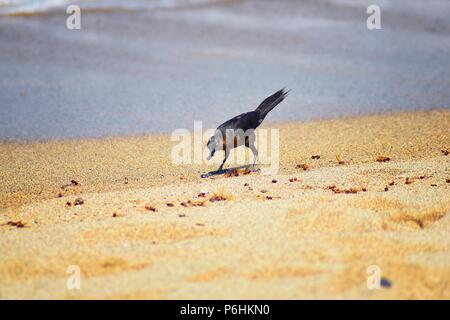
284,239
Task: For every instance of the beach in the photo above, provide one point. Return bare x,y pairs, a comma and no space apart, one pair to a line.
352,194
93,204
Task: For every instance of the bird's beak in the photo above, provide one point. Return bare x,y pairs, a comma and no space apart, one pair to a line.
211,154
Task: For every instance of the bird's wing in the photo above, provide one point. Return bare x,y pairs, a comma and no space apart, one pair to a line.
244,121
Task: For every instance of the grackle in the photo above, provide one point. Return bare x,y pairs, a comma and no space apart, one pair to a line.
239,130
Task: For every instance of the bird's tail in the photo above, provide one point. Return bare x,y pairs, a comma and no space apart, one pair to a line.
271,102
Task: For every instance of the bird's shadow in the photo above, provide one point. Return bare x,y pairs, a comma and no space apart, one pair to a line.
229,170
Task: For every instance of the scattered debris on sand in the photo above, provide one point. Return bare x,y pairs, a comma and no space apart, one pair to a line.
202,194
410,180
340,161
78,201
73,183
303,166
216,198
150,208
219,196
191,203
262,197
17,224
117,215
232,173
347,191
383,159
237,172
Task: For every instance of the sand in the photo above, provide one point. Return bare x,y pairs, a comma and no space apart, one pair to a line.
270,237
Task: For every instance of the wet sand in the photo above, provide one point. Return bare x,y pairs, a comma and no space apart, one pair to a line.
299,234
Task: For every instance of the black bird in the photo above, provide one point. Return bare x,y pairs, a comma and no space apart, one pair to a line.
240,129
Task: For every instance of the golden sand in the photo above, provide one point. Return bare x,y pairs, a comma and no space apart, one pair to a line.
310,237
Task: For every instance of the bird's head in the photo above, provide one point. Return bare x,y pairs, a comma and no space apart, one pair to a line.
212,144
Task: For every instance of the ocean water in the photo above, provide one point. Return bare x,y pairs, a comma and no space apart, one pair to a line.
143,70
17,7
30,6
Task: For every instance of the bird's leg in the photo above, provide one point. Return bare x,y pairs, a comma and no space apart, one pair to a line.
225,159
255,155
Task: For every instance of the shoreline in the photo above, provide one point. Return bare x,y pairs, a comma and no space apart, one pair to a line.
266,124
66,153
